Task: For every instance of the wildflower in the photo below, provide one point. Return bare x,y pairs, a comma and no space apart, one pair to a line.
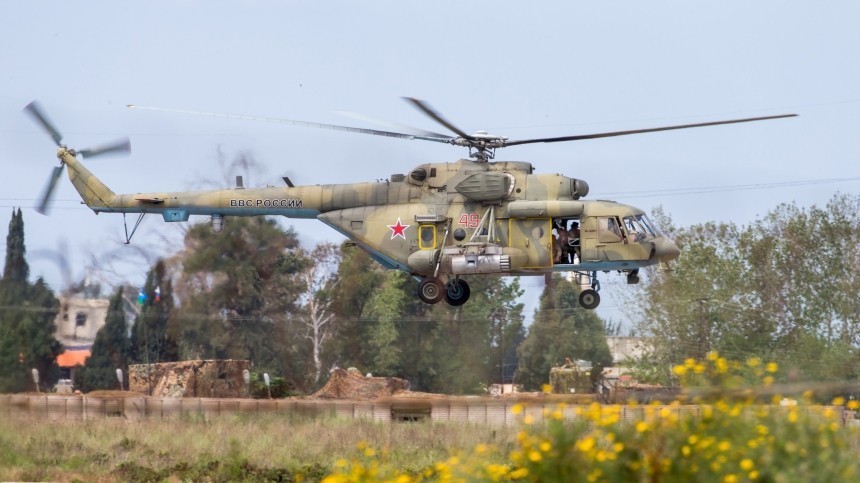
641,427
747,464
838,401
713,355
480,449
753,362
519,473
529,419
722,365
768,380
679,370
535,456
853,405
517,408
545,446
546,389
724,445
772,367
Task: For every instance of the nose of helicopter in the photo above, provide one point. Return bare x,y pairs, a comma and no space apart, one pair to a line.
665,249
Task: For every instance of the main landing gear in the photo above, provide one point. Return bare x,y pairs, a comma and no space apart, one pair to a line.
588,297
455,291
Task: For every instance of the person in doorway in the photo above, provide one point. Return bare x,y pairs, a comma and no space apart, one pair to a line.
562,237
573,242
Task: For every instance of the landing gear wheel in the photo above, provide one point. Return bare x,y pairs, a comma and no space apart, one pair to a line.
430,291
589,299
457,292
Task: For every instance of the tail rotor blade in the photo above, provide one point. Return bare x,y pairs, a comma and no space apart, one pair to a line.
49,190
38,114
120,146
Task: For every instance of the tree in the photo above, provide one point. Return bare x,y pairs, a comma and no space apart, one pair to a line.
27,314
240,293
110,351
154,335
320,278
359,276
783,289
561,329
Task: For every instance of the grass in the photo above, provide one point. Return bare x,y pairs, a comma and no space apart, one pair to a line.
230,448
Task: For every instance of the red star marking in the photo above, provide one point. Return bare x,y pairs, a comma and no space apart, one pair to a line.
398,230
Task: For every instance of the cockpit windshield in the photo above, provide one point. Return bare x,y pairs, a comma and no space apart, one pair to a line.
640,227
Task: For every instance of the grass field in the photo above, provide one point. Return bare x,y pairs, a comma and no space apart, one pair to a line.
229,448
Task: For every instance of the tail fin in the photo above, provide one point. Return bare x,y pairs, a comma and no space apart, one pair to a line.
94,193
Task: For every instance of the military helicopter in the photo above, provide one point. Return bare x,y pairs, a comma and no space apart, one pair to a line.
439,222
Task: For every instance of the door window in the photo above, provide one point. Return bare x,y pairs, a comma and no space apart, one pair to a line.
608,230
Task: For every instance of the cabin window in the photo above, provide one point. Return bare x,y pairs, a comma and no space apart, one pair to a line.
427,237
608,230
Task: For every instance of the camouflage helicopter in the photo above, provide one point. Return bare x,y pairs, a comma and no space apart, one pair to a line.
439,222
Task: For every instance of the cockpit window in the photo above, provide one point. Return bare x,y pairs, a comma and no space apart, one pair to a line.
636,230
640,227
649,225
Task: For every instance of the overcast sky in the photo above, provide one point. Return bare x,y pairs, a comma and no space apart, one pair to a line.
519,69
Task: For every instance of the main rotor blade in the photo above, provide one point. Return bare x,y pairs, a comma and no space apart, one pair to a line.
121,146
49,190
38,114
401,127
426,109
292,122
639,131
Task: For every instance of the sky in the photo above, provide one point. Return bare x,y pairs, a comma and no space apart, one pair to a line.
513,68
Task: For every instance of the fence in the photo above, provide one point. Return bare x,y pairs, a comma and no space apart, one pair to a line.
475,410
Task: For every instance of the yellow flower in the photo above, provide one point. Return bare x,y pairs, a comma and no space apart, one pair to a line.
747,464
585,445
641,427
480,449
534,456
722,366
730,479
853,405
369,452
792,416
618,447
753,475
529,419
685,450
519,473
517,408
546,388
713,355
753,362
699,369
772,367
545,446
724,445
768,380
838,401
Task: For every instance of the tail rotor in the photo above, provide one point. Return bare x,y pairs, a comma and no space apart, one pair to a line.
34,110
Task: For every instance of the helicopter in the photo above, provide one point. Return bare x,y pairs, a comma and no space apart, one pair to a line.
439,222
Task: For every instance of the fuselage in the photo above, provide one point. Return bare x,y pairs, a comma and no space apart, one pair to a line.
450,218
